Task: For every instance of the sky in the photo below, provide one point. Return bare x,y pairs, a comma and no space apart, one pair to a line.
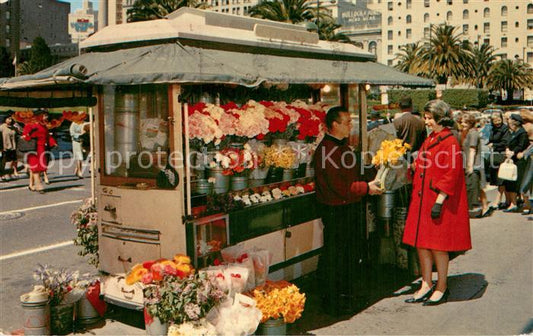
76,4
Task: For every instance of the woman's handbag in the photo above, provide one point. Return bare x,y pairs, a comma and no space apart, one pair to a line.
25,146
508,171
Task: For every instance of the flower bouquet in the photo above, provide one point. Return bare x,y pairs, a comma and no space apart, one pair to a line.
279,299
153,271
85,218
390,157
235,161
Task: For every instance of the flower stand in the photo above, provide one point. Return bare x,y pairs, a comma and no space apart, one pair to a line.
272,327
62,319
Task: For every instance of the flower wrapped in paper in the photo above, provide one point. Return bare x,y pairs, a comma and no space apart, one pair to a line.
235,317
391,162
279,299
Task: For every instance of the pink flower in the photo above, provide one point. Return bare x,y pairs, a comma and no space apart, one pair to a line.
147,278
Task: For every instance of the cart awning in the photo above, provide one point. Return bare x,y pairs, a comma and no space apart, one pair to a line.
178,63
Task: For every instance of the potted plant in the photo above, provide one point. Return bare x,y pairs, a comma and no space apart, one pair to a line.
63,292
85,219
280,303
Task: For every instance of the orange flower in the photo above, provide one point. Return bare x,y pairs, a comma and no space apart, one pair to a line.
182,259
135,275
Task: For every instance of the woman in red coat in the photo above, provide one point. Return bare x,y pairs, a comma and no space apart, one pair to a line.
437,221
37,161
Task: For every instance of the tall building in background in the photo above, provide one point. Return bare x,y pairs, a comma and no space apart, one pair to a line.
113,12
505,25
21,21
83,22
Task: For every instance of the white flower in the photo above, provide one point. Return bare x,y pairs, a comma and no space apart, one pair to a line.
212,179
277,194
237,198
300,189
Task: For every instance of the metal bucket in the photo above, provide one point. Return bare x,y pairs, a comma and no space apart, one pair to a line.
203,186
62,319
126,124
156,327
385,205
221,181
239,182
273,327
36,316
288,174
85,312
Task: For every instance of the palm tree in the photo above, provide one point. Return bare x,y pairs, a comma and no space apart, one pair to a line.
480,63
144,10
444,56
408,58
510,75
290,11
327,30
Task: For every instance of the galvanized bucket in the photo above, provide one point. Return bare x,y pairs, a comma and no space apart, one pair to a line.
85,313
36,315
273,327
62,319
239,182
221,185
203,187
385,205
288,174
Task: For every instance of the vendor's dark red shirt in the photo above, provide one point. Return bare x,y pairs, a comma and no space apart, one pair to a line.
338,179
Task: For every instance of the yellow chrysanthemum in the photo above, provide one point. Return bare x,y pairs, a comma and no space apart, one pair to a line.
182,259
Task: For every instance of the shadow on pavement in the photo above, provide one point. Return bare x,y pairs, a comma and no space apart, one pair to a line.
49,189
465,287
132,318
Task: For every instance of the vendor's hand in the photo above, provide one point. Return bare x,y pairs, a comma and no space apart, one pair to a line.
520,155
374,188
436,210
469,170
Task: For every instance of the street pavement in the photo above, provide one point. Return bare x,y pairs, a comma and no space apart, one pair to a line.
491,285
491,293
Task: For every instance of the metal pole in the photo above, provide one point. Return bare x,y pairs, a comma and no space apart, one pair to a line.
91,153
187,163
317,16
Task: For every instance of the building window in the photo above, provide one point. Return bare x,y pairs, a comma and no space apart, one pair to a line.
389,20
465,29
465,14
504,26
389,62
530,41
503,56
408,33
486,28
8,15
516,24
389,5
8,28
465,1
449,16
486,41
530,9
372,47
475,27
426,18
530,24
8,43
504,42
408,19
408,4
486,13
389,50
504,10
426,3
426,33
389,35
530,57
516,40
450,2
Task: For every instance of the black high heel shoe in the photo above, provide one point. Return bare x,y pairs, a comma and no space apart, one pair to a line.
420,299
443,299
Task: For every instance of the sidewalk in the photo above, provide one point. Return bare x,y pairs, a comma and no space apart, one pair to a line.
491,293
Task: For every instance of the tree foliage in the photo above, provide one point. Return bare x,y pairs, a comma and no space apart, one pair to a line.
408,58
290,11
510,75
480,63
41,56
144,10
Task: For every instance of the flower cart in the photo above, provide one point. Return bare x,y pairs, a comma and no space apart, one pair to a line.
173,96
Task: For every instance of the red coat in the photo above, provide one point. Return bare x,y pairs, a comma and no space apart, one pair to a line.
439,167
38,162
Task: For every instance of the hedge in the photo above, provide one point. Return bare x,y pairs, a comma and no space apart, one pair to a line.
456,98
420,97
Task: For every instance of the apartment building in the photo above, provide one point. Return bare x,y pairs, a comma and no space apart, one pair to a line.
21,21
506,25
113,12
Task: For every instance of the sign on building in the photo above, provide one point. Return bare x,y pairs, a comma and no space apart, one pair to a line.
80,26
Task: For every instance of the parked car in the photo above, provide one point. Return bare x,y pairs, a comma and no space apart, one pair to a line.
489,111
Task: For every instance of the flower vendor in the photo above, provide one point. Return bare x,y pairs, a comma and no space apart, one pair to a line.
339,190
437,221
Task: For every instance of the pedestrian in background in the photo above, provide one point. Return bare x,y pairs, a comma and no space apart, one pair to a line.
76,131
498,141
518,143
437,220
340,188
8,134
409,127
38,162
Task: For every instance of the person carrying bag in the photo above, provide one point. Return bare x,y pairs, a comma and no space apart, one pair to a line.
508,171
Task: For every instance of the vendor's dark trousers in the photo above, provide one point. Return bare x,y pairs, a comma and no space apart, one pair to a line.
343,254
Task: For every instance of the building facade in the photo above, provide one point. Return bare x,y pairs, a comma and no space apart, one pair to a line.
113,12
83,22
21,21
505,25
